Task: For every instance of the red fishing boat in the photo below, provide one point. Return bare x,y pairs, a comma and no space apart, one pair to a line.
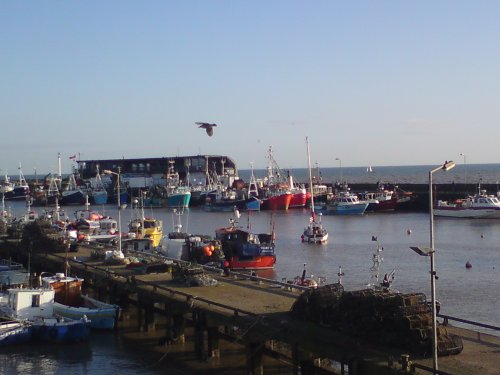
246,250
275,198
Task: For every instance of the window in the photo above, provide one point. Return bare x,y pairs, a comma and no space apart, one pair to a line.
35,300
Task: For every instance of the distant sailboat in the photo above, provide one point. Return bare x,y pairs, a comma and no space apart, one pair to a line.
369,169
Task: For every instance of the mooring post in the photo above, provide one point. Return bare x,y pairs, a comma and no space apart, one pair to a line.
199,334
179,324
213,337
296,359
150,318
254,358
140,311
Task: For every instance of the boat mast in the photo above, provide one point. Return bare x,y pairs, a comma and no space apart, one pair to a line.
253,191
310,179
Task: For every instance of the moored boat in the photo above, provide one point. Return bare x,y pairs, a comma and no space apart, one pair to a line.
145,227
178,196
346,203
19,190
72,194
244,249
314,232
479,206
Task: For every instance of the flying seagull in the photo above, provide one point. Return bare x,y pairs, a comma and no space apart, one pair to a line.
208,127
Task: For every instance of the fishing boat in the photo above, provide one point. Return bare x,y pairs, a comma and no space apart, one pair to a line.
6,186
102,315
275,194
381,200
145,227
178,196
346,203
36,307
67,289
19,190
72,194
479,206
244,249
227,200
69,302
314,232
98,192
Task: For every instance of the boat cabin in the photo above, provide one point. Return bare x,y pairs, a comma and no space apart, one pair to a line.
29,303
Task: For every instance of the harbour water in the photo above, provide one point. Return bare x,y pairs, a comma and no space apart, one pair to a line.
413,174
465,293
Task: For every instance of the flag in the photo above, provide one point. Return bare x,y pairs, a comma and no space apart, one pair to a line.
73,157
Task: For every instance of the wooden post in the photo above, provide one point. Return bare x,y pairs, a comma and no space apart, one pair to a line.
213,342
254,358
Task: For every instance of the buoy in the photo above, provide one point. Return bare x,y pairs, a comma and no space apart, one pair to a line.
482,235
468,264
408,231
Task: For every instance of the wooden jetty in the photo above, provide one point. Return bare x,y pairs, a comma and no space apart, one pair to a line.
255,313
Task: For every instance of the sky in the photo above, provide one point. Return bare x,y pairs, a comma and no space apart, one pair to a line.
368,82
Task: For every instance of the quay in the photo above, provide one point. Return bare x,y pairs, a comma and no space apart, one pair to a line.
254,313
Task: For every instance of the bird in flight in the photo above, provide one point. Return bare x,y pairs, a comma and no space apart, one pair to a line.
208,127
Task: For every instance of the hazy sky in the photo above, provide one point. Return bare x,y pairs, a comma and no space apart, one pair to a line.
369,82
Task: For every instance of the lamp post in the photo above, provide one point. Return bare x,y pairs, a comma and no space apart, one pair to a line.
465,171
430,252
107,171
340,165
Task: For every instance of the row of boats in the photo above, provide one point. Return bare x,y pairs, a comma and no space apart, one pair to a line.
274,192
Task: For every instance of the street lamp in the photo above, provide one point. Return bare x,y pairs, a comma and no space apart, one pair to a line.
107,171
465,171
430,252
340,164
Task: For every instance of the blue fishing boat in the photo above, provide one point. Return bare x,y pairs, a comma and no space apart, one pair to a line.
98,192
346,203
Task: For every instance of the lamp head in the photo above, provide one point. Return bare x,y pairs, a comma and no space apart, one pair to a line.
448,165
422,250
107,171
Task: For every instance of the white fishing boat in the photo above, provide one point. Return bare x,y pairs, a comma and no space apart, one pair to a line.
479,206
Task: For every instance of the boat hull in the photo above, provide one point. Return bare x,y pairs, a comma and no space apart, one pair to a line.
13,332
100,197
72,197
277,202
467,213
249,204
180,200
351,209
260,262
298,200
61,330
101,315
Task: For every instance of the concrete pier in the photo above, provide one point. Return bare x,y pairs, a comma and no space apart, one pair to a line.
255,315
